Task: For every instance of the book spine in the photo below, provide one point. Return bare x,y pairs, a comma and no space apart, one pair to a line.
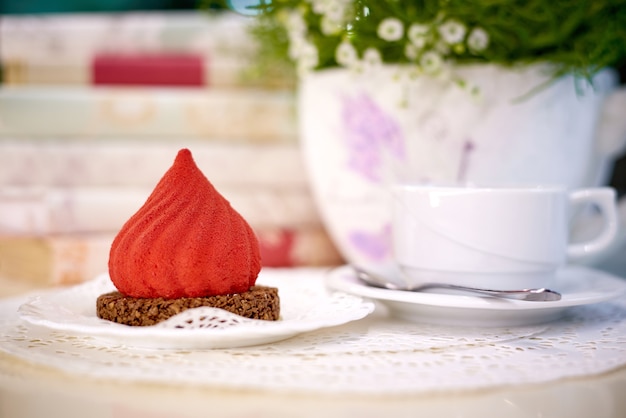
74,258
260,116
54,260
224,73
137,163
76,37
64,49
154,69
286,247
39,212
24,73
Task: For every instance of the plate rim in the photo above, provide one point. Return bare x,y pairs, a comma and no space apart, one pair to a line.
209,338
349,283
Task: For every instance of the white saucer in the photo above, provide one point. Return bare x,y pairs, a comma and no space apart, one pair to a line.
305,306
577,285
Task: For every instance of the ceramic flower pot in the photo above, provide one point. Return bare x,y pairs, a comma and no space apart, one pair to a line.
361,133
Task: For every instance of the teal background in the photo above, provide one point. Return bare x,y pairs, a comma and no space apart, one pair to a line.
64,6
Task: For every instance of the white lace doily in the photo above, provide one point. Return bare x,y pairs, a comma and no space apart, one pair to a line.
375,355
303,307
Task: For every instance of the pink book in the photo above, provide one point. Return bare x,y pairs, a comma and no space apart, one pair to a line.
158,69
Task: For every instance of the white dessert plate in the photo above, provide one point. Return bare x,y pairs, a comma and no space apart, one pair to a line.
577,285
306,305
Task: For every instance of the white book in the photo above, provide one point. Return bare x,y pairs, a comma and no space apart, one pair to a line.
238,115
63,259
43,211
74,38
132,162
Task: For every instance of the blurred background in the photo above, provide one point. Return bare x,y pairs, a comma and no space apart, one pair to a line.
73,6
96,99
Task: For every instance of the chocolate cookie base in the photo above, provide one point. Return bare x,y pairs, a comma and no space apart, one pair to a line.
260,302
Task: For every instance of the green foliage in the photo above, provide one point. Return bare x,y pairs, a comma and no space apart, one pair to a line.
577,36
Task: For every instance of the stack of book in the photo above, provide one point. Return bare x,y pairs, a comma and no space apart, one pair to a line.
93,109
175,48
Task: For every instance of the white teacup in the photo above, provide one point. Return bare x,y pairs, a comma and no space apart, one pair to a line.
492,237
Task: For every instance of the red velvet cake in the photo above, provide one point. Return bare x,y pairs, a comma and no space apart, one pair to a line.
185,247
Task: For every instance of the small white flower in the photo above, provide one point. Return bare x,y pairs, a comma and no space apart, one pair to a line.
420,43
442,48
308,55
308,58
431,62
303,68
417,34
295,24
478,40
329,26
335,10
357,67
308,50
390,29
296,44
372,57
452,31
410,51
319,6
345,54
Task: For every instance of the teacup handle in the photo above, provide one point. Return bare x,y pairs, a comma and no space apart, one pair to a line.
604,198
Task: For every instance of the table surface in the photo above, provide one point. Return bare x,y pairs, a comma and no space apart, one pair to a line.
29,390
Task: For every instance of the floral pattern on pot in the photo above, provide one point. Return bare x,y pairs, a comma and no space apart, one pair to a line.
376,246
369,131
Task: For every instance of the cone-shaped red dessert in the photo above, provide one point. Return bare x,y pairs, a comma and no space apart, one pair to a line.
185,241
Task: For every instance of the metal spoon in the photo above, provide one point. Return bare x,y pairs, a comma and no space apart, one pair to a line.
534,295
